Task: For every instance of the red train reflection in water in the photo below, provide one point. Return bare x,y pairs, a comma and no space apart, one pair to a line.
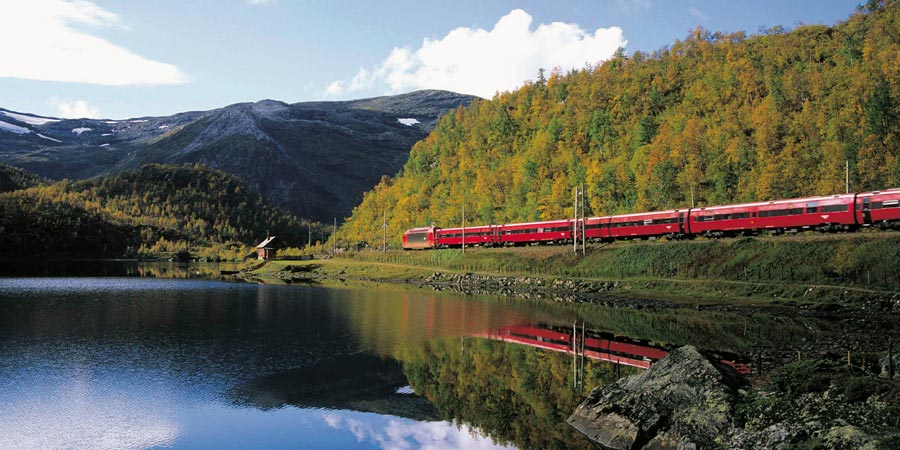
598,345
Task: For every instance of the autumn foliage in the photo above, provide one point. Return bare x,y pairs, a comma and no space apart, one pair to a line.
715,118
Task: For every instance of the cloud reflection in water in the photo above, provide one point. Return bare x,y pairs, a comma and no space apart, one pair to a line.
391,433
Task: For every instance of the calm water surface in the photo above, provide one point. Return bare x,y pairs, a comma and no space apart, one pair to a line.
127,362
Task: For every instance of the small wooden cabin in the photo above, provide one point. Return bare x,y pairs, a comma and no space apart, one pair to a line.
265,250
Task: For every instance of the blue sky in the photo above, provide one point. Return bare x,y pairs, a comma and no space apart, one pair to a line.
130,58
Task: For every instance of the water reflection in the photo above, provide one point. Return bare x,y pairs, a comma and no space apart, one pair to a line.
362,383
113,268
594,344
143,362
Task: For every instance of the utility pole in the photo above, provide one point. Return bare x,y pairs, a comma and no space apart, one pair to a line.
384,232
309,235
583,209
575,226
334,238
847,176
464,228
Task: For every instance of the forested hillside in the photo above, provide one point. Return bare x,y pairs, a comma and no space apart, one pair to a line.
717,117
14,178
155,209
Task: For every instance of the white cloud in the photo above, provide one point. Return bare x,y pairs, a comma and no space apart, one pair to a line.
261,2
79,109
335,88
482,62
41,42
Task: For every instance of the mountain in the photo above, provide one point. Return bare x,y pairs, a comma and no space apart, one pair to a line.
314,159
714,119
152,210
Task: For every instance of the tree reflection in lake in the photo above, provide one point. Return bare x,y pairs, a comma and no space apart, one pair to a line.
224,365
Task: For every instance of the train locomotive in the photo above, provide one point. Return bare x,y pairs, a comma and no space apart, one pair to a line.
840,212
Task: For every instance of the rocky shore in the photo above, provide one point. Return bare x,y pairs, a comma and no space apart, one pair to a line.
689,401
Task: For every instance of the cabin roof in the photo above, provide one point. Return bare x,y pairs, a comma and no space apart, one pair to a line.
266,242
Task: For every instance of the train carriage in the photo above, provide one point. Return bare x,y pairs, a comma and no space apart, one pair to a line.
486,235
557,231
670,224
879,208
832,213
597,228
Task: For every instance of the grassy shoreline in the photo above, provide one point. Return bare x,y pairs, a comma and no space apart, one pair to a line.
797,270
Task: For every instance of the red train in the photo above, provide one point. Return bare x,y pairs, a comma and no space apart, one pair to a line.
841,212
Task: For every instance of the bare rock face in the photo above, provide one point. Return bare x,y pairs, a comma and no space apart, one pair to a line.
682,402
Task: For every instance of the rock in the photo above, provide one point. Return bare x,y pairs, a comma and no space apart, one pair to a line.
684,401
847,436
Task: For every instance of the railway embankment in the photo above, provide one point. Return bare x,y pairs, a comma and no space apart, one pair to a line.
835,271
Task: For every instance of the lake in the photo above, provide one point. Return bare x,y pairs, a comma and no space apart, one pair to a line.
130,360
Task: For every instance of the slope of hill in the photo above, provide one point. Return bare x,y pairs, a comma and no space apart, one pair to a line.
14,178
153,209
716,118
314,159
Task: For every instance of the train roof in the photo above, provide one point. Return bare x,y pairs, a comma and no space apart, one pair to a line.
467,228
546,222
650,213
778,202
414,230
883,191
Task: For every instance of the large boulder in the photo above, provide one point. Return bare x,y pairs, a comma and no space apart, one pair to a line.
682,402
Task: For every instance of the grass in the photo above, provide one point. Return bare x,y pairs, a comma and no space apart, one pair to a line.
815,270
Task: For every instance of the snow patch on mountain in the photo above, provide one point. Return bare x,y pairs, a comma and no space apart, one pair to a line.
408,122
103,145
13,128
80,130
48,137
30,120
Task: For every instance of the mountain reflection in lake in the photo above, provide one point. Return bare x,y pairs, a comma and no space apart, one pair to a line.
142,362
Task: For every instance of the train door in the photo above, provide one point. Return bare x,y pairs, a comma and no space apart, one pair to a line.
867,211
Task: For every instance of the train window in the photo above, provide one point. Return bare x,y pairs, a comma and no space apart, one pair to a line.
890,203
417,237
811,207
834,208
876,205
